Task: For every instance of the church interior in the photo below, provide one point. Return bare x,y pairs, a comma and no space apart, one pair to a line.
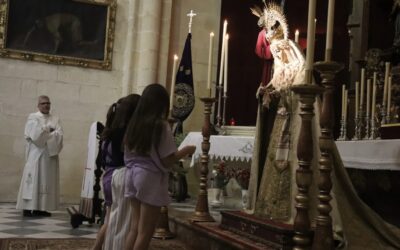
316,167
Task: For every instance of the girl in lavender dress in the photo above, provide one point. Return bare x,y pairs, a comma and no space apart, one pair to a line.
112,151
150,152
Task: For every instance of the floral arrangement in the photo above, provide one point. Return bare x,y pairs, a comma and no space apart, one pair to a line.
242,177
220,178
223,173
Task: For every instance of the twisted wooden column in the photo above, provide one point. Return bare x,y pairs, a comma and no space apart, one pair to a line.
307,94
323,236
201,213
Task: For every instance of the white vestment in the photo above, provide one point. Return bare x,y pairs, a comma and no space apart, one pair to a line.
39,189
120,215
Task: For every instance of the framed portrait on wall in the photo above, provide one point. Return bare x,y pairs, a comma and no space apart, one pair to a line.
64,32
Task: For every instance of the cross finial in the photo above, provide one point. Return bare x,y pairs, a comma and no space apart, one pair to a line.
191,15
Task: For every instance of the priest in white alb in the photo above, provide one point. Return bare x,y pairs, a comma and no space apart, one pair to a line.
39,189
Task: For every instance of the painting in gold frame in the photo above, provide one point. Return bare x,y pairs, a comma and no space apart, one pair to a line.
63,32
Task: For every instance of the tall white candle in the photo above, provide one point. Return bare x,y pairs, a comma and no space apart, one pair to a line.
221,65
329,30
346,96
368,97
389,91
173,78
343,96
296,36
362,88
357,99
310,39
210,55
373,96
226,65
385,85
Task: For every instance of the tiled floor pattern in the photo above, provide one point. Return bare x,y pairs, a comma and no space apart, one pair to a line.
14,225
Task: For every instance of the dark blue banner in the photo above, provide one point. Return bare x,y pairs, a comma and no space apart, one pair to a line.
184,92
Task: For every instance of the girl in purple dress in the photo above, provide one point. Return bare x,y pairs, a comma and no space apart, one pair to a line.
150,151
112,152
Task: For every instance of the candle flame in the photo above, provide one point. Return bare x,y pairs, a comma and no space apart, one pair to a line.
212,34
225,22
297,32
175,57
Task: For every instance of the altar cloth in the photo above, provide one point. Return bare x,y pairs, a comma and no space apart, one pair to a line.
370,154
228,147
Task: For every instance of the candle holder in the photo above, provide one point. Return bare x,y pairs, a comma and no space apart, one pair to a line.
361,126
219,118
383,114
162,230
388,117
224,110
323,234
201,213
367,127
343,130
374,130
357,130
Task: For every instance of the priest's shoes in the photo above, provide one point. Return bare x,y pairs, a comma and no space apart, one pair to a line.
41,213
27,213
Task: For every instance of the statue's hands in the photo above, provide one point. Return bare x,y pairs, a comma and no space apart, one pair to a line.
261,90
269,95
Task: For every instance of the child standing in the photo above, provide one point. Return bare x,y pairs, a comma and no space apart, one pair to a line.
150,151
112,152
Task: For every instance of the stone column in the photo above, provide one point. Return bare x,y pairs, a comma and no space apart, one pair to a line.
147,43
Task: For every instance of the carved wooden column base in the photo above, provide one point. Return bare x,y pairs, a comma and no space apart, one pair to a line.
307,95
201,213
323,236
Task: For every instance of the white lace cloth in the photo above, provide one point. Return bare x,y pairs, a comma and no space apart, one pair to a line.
370,154
233,148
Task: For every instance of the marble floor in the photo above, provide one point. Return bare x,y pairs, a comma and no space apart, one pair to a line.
14,225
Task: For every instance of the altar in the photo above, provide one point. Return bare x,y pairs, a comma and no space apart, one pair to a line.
222,147
370,154
234,150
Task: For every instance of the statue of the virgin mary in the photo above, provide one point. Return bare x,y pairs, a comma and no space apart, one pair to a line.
272,187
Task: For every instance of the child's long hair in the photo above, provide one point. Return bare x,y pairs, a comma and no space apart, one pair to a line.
119,114
145,126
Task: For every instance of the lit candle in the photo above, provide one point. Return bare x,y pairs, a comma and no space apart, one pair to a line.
385,87
357,99
210,54
221,65
368,97
296,36
346,94
373,97
226,65
310,39
389,97
362,88
329,30
173,78
343,97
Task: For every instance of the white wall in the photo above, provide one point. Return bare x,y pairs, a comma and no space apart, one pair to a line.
81,96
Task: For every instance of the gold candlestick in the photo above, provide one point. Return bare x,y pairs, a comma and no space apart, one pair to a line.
201,213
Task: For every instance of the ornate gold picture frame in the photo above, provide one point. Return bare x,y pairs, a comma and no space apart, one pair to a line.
63,32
